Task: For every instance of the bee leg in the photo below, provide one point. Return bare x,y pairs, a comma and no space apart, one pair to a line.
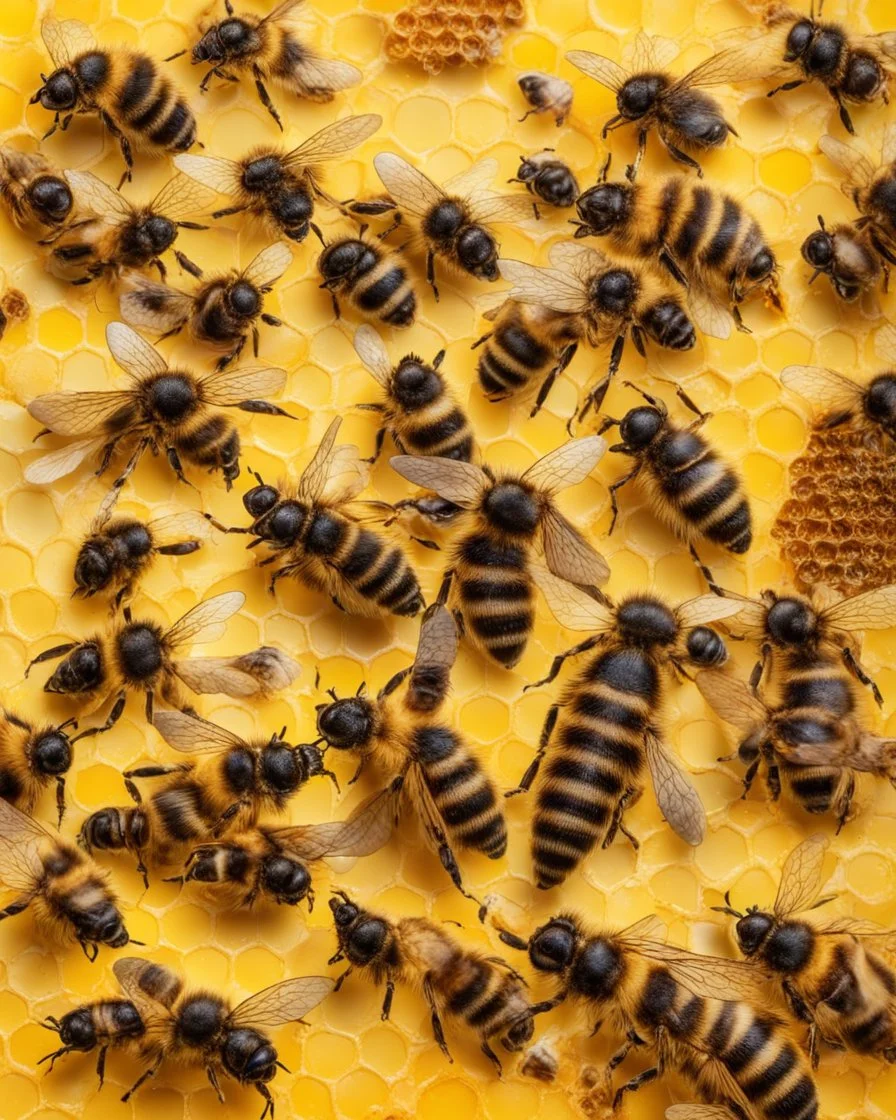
125,145
448,861
101,1065
264,97
749,776
431,273
560,659
548,383
617,485
186,264
682,157
227,211
387,1000
480,341
786,87
529,776
631,171
846,801
60,799
437,1031
268,1100
145,1076
855,667
377,446
113,717
739,320
394,682
213,1078
17,906
844,113
507,967
175,464
548,1004
613,122
706,573
342,976
759,668
628,798
635,1084
50,654
444,589
492,1057
51,1058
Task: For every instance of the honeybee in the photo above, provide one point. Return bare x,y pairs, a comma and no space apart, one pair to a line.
166,408
272,862
108,1024
30,758
546,94
705,238
549,178
834,975
454,219
221,312
702,1016
606,727
137,655
196,1027
36,196
527,342
225,791
853,68
312,527
484,992
71,896
373,280
268,50
14,308
689,485
610,300
138,104
682,114
855,255
280,188
121,235
490,570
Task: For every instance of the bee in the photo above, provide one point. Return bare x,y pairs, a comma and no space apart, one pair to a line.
855,255
138,104
120,235
225,791
705,238
196,1027
549,178
373,280
701,1016
70,894
138,655
36,196
272,862
528,342
454,796
853,68
107,1024
546,94
14,308
311,526
268,50
165,409
454,219
490,570
31,756
610,300
598,738
220,313
280,188
118,551
689,485
834,976
483,992
682,114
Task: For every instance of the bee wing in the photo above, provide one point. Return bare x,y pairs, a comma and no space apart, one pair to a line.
257,673
132,353
192,734
710,977
872,610
206,621
888,147
885,343
745,62
824,388
231,387
362,833
78,414
570,605
568,465
459,482
20,840
315,476
182,197
651,53
349,475
858,170
334,140
372,351
66,39
151,986
583,261
281,11
697,1112
601,69
487,207
546,286
221,175
801,877
650,927
676,796
477,177
705,609
312,75
269,265
731,698
93,195
178,527
436,654
286,1002
709,313
568,553
871,934
57,464
154,306
752,614
884,43
410,189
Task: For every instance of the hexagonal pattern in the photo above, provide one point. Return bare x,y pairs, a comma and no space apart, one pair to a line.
347,1063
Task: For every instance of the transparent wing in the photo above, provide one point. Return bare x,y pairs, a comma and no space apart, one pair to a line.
732,699
66,39
697,1112
487,207
568,465
257,673
313,75
280,11
745,62
872,610
372,351
269,265
601,69
705,609
459,482
824,388
650,927
178,527
546,286
858,170
888,147
679,802
583,261
231,387
334,140
192,734
410,189
79,414
436,653
362,833
568,554
885,343
149,985
315,476
20,840
871,934
710,977
182,197
206,621
572,607
221,175
349,474
801,877
93,195
709,313
285,1002
154,306
57,464
132,353
652,52
752,614
477,177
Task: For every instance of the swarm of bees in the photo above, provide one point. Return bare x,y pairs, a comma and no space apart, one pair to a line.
679,258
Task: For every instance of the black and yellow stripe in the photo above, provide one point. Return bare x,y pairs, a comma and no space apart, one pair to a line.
495,590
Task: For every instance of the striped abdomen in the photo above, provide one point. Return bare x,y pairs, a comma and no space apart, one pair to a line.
701,488
859,989
524,346
486,997
374,568
208,439
463,793
818,789
595,758
379,286
495,594
438,428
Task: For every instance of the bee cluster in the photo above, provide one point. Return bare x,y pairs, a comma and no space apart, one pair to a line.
683,258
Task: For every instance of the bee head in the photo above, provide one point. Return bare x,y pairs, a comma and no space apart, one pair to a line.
81,671
880,400
534,88
415,384
639,95
51,753
346,724
103,924
286,879
791,622
244,299
818,250
863,76
94,566
706,648
605,206
528,169
640,426
260,499
799,39
248,1056
552,947
227,39
512,508
752,929
50,198
77,1030
361,935
59,92
613,292
157,233
477,252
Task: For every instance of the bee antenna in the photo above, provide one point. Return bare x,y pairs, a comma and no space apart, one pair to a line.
513,940
316,228
134,941
332,692
317,677
821,223
728,909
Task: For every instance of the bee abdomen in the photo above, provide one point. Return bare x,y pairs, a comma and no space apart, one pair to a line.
496,593
815,787
204,441
379,571
481,999
828,691
511,358
384,289
706,491
667,323
695,224
724,239
149,104
867,1035
448,436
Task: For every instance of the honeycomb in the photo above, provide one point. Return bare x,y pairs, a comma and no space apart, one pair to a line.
436,34
347,1063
